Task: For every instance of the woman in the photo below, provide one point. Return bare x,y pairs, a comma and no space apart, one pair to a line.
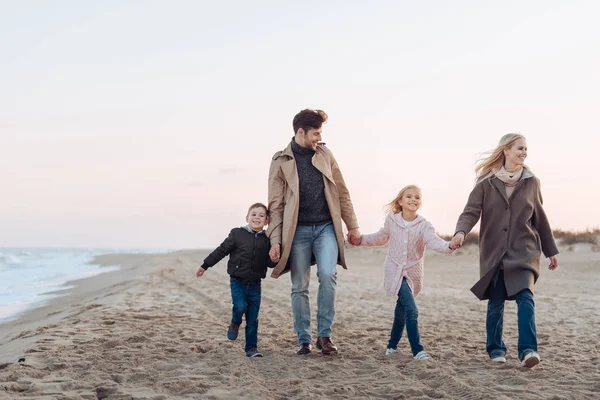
514,231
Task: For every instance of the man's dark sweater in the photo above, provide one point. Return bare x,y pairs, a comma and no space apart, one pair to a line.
313,205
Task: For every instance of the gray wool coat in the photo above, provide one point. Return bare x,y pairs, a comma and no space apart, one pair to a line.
513,233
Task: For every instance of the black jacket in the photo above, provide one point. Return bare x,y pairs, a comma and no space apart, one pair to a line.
248,255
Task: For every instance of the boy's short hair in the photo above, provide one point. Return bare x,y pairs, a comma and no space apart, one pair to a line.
257,205
309,118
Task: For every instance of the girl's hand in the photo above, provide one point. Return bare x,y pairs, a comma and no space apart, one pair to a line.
354,237
200,272
553,263
457,241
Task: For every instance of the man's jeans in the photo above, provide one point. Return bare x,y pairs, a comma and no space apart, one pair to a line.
406,313
527,341
246,300
319,240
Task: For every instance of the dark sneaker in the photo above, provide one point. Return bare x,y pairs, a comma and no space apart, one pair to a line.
324,344
253,352
305,348
232,331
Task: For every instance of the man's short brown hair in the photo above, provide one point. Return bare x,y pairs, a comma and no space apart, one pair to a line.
257,205
309,118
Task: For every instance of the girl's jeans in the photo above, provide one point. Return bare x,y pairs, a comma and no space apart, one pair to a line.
406,313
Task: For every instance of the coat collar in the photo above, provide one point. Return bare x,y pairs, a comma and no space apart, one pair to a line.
247,228
289,166
499,185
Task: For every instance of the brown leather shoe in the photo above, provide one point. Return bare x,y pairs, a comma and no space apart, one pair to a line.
324,344
305,348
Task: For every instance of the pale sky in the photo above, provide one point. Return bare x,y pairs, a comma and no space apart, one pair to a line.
153,123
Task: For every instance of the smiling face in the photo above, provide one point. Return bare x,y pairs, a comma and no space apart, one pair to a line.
515,155
257,218
410,200
310,138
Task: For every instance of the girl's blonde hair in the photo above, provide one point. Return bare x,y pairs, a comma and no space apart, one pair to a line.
491,164
393,205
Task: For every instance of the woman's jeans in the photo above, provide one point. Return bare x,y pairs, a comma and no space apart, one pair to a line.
321,241
494,321
246,300
406,313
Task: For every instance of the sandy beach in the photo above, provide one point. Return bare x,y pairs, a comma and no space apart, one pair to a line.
153,331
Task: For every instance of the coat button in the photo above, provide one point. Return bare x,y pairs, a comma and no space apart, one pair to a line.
506,209
505,229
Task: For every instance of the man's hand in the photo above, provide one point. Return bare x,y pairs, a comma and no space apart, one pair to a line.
200,272
275,252
553,263
354,237
457,241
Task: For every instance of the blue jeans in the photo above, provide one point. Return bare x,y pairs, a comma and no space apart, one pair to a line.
406,313
527,341
321,241
246,300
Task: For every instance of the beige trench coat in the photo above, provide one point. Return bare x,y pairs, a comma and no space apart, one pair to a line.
284,201
513,232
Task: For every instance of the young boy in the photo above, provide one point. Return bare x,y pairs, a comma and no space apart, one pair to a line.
248,249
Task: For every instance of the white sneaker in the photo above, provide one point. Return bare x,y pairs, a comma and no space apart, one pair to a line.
422,356
531,359
389,351
499,359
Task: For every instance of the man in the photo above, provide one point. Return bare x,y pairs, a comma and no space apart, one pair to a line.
308,199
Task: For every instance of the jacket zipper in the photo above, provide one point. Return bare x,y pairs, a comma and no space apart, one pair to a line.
253,254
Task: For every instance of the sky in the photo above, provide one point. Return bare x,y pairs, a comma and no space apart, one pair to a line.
152,123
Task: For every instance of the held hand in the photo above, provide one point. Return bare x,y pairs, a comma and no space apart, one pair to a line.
200,272
353,240
553,263
354,237
457,241
275,253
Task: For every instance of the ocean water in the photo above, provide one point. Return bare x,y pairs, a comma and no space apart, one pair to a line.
31,277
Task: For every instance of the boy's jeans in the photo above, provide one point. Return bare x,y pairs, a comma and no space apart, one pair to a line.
527,341
406,313
246,300
321,241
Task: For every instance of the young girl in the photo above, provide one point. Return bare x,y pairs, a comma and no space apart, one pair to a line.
407,234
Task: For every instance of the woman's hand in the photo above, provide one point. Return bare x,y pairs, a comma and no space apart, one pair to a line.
457,241
553,263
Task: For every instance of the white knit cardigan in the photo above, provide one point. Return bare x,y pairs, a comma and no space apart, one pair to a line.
405,252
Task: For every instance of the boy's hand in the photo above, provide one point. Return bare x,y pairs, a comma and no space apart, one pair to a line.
457,241
200,272
553,263
275,253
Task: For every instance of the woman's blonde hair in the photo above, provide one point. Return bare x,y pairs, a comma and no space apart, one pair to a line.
491,164
393,205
